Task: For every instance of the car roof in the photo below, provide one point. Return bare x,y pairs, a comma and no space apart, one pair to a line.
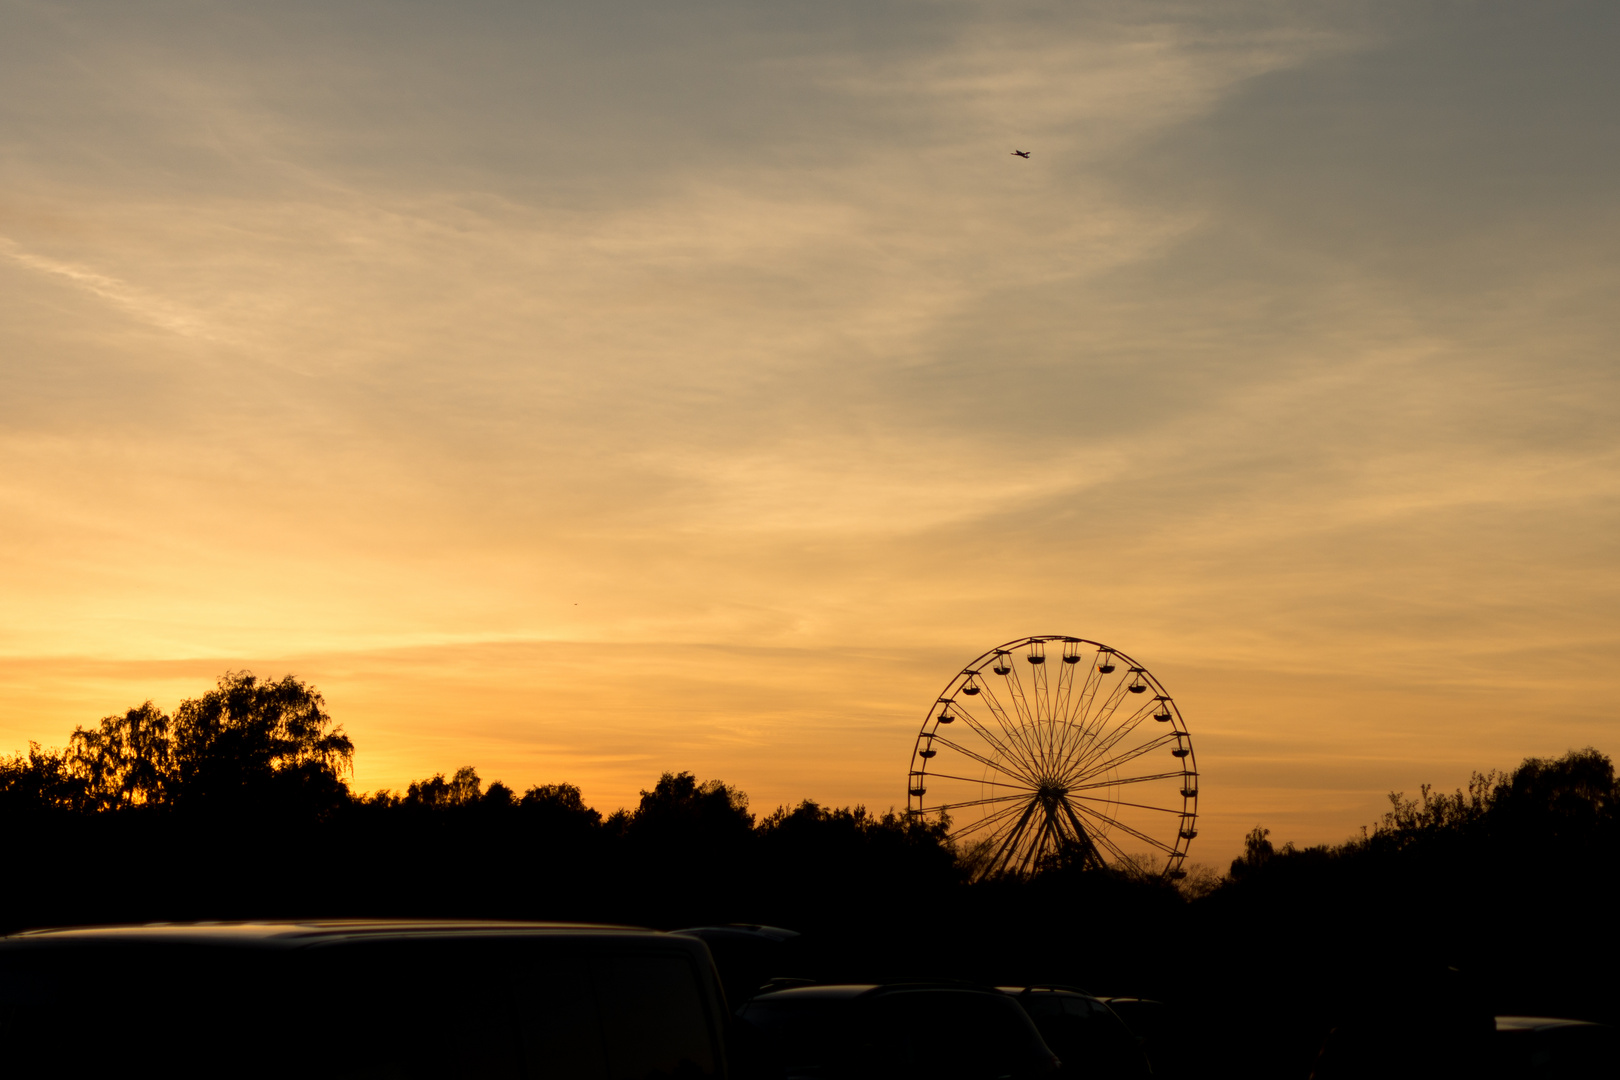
1054,989
846,991
739,931
302,933
1538,1023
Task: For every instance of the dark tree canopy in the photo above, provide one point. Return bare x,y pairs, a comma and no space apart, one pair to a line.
40,782
562,805
678,804
245,744
245,738
127,761
437,793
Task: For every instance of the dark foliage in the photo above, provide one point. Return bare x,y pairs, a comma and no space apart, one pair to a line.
244,747
1489,900
1494,898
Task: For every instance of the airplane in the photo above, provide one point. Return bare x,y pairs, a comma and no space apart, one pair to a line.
1021,153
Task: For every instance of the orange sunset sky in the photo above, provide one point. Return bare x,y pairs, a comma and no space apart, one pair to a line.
582,391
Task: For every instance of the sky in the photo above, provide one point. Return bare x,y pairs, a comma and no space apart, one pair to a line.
585,391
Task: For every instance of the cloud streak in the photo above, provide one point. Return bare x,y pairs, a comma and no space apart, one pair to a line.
148,309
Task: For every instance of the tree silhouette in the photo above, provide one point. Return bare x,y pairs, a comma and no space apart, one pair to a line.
437,793
680,806
1569,796
1257,851
127,761
248,741
38,782
562,806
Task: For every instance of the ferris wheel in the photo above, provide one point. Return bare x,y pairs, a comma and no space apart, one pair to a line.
1058,746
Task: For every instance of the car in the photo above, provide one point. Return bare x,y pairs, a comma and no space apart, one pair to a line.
899,1031
1545,1048
748,956
1082,1031
357,999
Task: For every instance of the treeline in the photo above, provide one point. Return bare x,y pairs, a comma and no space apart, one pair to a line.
246,745
1543,812
238,806
1494,898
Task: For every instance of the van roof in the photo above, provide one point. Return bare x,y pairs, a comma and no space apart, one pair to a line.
846,991
1539,1023
304,932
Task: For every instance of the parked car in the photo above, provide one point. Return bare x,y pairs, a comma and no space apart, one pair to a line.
899,1031
748,956
1161,1032
1543,1048
1082,1031
395,1000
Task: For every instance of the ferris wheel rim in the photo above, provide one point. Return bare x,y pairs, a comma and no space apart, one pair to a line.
1040,762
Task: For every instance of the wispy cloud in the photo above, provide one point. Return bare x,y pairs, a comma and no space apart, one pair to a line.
150,309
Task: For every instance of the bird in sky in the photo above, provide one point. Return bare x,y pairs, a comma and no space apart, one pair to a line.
1021,153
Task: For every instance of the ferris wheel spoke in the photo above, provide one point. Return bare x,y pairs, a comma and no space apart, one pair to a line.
1116,823
976,802
981,759
1087,771
1015,690
1076,715
985,734
1057,702
1065,832
1021,859
1082,740
1117,698
1088,691
1114,849
989,827
1018,733
1088,688
1019,711
1018,856
1030,857
976,780
1071,819
1082,836
1128,780
992,821
1138,806
1109,706
1065,682
1100,835
1040,705
1072,745
1077,748
1011,839
1077,710
1096,687
1081,774
1114,738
